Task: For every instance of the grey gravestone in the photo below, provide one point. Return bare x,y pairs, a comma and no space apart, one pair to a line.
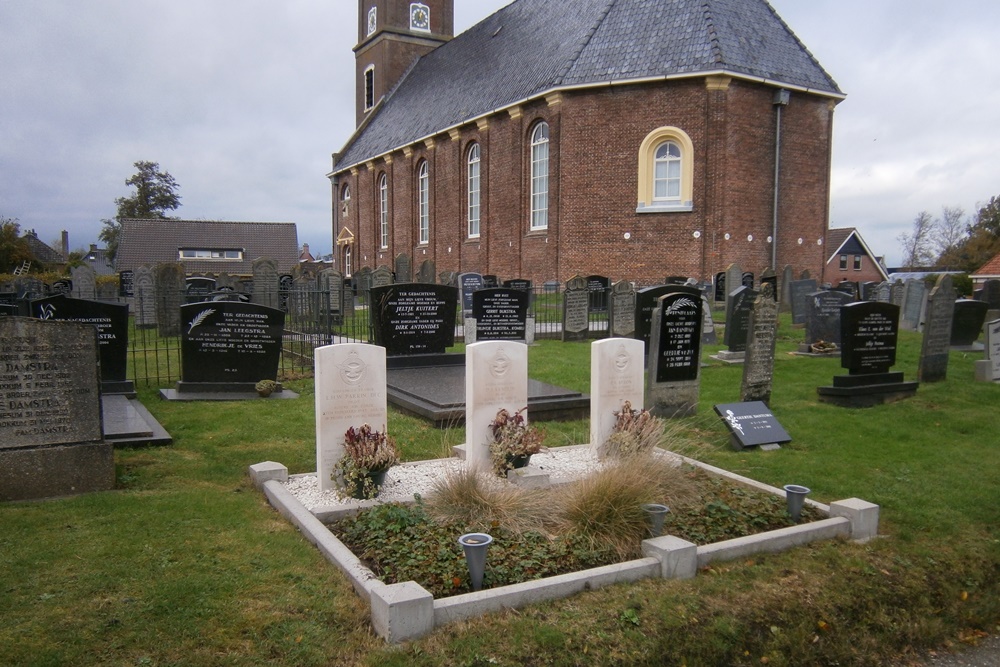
800,291
719,285
868,290
988,369
991,294
501,313
740,304
29,288
266,287
786,287
412,318
708,335
111,322
330,284
427,273
84,282
914,305
198,288
576,307
404,268
751,424
848,287
145,298
883,292
896,293
169,285
734,278
967,322
674,365
224,281
363,283
467,284
936,344
381,276
622,312
869,333
758,368
823,318
597,287
51,437
228,346
768,277
449,278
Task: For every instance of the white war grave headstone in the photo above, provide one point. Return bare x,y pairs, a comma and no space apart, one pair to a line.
616,376
496,376
350,391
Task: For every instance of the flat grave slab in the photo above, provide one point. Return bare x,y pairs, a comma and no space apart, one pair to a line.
127,423
752,424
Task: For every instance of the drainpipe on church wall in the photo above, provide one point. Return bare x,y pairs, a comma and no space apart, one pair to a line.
781,97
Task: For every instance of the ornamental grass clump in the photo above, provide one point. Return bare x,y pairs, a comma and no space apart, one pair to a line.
477,500
512,439
636,432
368,455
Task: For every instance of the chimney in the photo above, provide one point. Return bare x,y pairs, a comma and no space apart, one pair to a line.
65,243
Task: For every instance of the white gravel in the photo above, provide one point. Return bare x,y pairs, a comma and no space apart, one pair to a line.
561,463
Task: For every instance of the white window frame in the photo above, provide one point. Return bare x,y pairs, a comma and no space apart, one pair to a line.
667,186
539,177
473,163
423,204
369,87
345,201
383,211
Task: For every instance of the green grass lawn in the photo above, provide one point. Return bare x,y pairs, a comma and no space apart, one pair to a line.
184,563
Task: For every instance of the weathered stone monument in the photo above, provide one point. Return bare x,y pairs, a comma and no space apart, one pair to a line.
350,392
169,291
496,376
51,439
404,268
674,364
144,298
869,331
758,367
936,344
576,310
988,369
84,282
616,376
621,314
914,305
266,288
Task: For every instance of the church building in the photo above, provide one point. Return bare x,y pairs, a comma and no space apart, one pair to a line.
633,139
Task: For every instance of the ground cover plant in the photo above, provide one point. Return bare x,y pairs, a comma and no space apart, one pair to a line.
184,563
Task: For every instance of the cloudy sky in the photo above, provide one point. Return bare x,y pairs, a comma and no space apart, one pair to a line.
243,101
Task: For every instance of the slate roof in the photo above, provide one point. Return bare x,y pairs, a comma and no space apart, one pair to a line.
532,47
42,251
155,241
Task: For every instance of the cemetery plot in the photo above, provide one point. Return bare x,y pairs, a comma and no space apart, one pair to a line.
500,314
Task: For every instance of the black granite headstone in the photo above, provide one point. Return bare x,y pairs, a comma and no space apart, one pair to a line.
228,342
126,284
501,313
739,306
967,321
869,330
752,424
823,316
646,301
678,353
747,279
490,281
414,318
720,286
597,287
469,283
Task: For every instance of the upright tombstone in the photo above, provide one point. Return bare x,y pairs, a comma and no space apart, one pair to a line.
51,436
883,292
708,335
144,298
800,291
868,350
576,310
868,289
467,284
988,369
404,268
168,280
228,346
198,288
734,279
645,303
126,284
616,376
363,284
427,273
897,291
823,326
769,277
787,277
914,305
739,305
330,288
350,392
597,287
499,313
490,281
674,364
496,376
848,287
747,279
413,318
991,294
967,322
758,369
266,287
621,313
936,343
381,276
110,320
84,281
719,285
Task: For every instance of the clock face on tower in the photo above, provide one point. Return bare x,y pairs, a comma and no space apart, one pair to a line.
372,20
420,17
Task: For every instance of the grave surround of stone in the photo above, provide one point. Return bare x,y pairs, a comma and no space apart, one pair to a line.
752,424
51,437
935,346
674,360
869,333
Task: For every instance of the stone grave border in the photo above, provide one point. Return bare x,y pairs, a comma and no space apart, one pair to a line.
404,611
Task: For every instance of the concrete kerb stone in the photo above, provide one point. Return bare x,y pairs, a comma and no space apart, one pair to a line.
266,471
862,514
774,541
678,558
529,477
401,612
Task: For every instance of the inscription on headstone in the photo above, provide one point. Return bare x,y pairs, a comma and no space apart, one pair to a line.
230,342
800,292
869,331
622,311
413,318
501,313
751,424
576,307
936,343
109,319
758,369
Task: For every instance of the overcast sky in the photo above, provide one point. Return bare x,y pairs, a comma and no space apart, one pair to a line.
243,101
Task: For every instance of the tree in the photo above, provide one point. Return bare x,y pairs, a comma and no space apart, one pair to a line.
155,194
14,250
949,229
917,244
980,243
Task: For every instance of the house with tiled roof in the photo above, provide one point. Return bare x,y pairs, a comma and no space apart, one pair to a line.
207,246
851,259
43,252
988,271
626,138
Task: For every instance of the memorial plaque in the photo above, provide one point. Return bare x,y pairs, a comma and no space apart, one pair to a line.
739,305
126,283
720,286
576,310
800,293
49,383
751,424
110,320
230,342
467,284
622,312
598,287
758,368
869,330
501,313
967,321
414,318
679,342
823,319
936,344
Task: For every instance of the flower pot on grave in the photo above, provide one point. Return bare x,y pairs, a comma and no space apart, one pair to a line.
518,461
655,514
795,497
373,480
474,545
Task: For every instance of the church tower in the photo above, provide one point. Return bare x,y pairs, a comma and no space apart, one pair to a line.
391,35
